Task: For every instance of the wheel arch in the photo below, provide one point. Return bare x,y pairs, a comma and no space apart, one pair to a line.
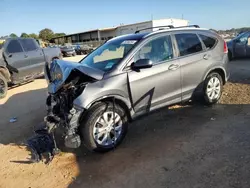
118,100
218,70
5,72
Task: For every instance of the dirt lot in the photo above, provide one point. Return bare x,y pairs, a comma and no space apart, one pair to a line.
183,146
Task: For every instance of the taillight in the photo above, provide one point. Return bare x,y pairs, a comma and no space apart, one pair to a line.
225,47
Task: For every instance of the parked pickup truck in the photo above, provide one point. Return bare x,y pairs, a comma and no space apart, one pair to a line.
22,59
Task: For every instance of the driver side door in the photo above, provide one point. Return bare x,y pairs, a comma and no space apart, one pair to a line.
160,85
240,48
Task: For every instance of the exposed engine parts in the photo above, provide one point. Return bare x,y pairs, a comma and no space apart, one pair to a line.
60,113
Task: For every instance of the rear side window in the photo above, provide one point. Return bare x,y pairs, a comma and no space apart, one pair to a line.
188,43
14,47
28,44
208,41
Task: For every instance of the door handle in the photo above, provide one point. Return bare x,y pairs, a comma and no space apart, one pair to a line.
10,55
206,57
25,56
173,67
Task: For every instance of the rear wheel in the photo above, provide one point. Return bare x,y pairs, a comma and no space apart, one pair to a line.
213,86
3,86
104,127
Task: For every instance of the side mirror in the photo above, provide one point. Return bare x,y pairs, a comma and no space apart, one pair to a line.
142,64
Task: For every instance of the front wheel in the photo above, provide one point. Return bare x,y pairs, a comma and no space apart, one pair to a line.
3,86
213,86
104,127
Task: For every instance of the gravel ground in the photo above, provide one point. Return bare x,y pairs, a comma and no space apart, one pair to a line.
181,146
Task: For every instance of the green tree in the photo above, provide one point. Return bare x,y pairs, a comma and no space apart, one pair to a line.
46,34
13,35
24,35
59,34
33,35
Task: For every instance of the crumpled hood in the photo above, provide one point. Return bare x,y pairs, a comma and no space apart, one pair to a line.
66,68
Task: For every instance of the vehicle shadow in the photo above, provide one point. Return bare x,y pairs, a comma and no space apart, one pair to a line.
157,143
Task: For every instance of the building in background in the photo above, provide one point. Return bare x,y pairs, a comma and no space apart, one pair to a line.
98,36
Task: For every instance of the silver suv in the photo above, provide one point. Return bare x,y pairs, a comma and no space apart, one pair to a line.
131,75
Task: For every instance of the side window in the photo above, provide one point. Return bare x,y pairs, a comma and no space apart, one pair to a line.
14,47
28,45
208,41
157,50
188,43
244,39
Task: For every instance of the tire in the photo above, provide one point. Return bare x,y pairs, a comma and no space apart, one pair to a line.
230,56
89,124
3,86
213,86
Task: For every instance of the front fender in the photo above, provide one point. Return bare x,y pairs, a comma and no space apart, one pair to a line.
115,86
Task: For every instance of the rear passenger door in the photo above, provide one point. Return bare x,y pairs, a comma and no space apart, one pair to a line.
193,62
240,46
34,55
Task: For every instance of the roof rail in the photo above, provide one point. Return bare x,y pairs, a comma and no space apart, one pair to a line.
195,26
161,27
169,26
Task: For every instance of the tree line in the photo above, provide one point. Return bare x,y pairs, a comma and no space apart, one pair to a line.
233,30
45,34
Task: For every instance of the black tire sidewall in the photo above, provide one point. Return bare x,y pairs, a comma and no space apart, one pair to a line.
87,125
206,98
2,78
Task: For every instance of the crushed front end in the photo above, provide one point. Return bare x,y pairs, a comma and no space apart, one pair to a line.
65,84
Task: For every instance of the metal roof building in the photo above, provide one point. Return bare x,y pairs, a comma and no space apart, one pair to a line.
98,36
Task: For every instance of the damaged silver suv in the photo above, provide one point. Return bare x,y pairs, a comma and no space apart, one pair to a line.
131,75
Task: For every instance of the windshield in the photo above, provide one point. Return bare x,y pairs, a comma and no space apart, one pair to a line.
109,54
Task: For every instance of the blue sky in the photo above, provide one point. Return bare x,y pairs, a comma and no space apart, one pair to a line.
71,16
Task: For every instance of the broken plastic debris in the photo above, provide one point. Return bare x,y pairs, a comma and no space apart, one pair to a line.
13,119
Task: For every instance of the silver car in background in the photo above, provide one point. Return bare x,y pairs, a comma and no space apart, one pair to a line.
131,75
22,59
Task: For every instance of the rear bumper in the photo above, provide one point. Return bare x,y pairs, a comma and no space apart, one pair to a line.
227,73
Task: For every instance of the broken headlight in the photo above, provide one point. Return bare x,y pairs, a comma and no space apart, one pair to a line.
56,72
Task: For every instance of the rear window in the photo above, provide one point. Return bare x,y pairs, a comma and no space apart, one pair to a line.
208,41
188,43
